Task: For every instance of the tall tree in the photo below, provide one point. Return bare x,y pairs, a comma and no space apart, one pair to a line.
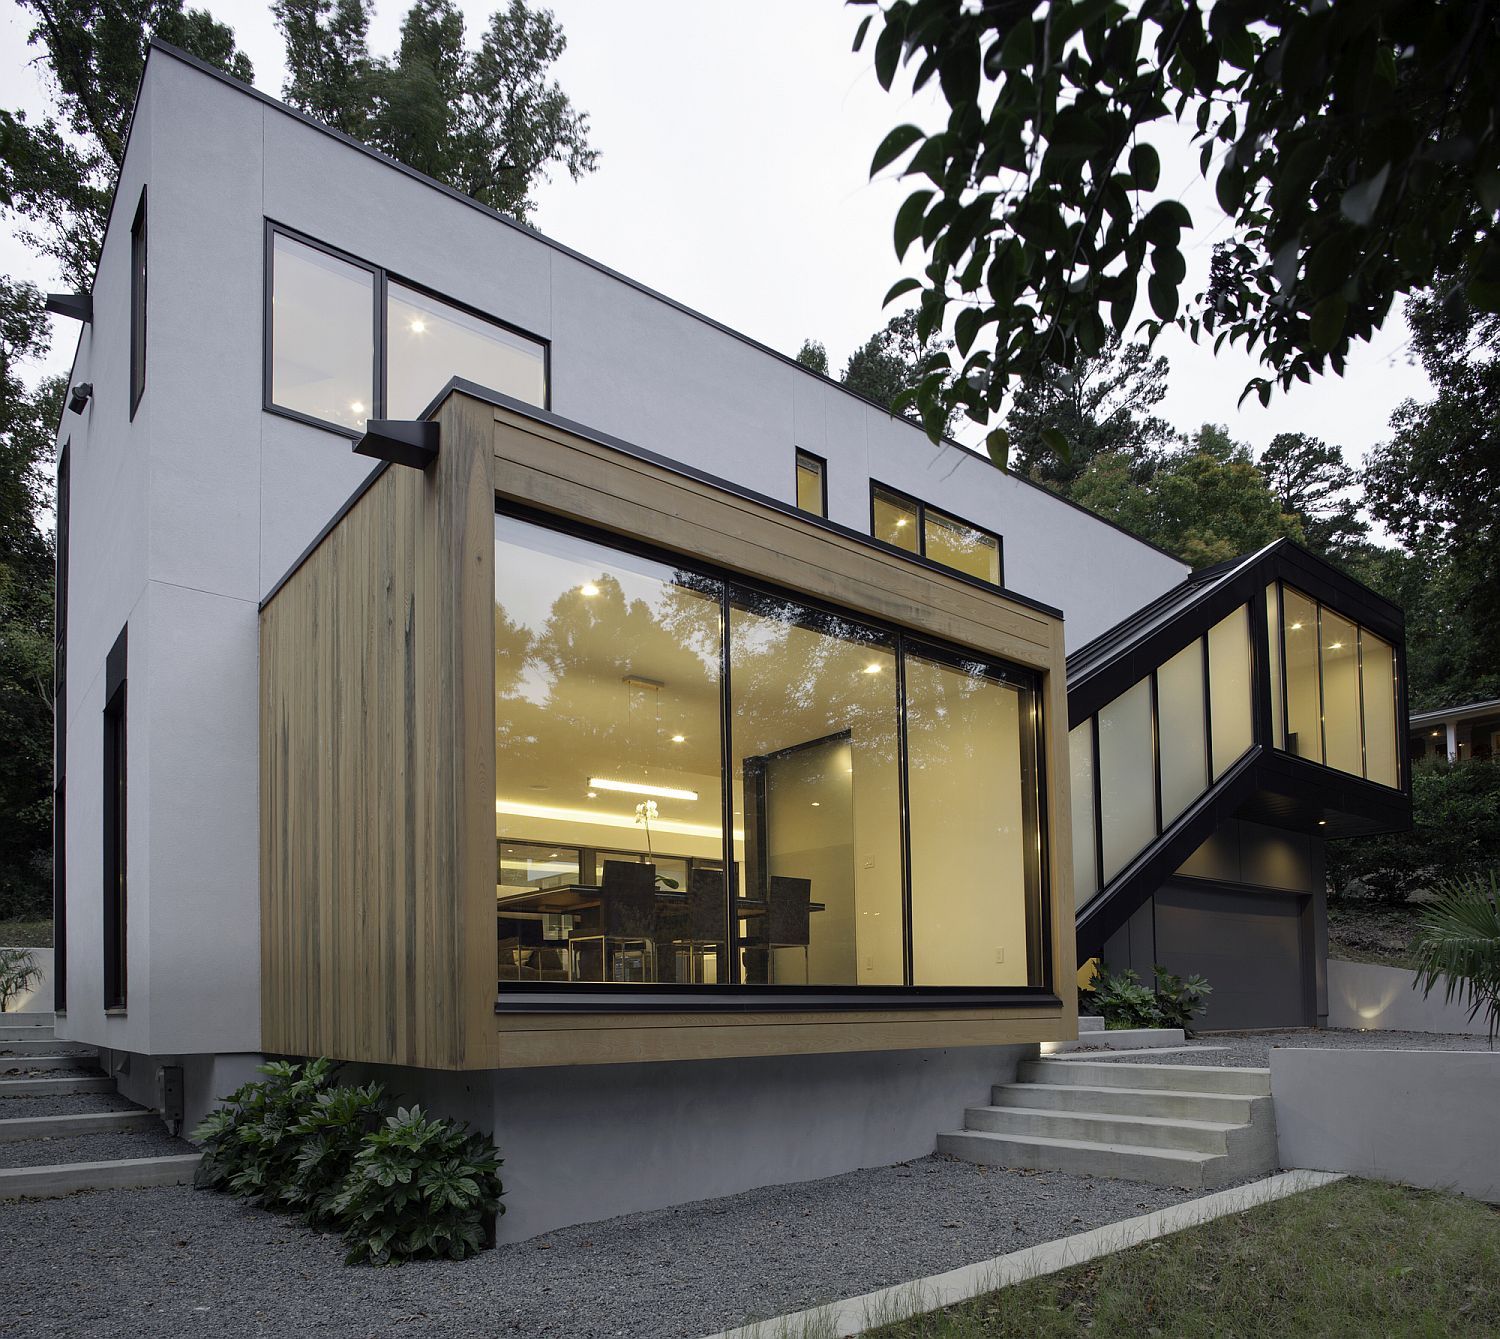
1354,148
1205,501
489,122
890,365
813,356
1436,483
59,173
27,419
1310,480
1058,422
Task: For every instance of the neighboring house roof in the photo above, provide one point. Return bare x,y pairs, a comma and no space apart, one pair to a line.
1456,713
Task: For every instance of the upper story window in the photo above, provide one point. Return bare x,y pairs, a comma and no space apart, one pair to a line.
923,530
138,305
812,484
349,342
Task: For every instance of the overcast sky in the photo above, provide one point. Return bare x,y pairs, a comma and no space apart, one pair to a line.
735,141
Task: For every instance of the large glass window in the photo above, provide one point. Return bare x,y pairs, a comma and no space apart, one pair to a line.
918,528
971,788
1304,710
1229,688
138,305
428,342
327,322
814,724
1340,690
1127,788
795,811
1183,750
322,335
1085,858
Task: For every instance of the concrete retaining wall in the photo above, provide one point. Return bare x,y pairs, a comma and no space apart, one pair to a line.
1367,995
1426,1118
37,998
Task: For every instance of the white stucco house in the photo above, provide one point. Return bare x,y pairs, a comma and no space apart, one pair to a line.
478,667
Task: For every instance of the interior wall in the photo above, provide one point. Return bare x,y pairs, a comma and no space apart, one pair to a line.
879,935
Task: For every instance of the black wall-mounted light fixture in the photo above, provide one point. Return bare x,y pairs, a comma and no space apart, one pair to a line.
81,394
412,442
75,306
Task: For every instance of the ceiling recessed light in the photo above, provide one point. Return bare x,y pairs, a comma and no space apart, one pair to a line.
1296,627
679,739
589,589
418,325
593,794
900,522
872,668
1322,822
1335,646
1437,734
356,406
817,804
642,788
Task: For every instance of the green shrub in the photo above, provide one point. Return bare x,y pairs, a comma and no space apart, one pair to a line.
18,970
1124,1001
398,1187
420,1189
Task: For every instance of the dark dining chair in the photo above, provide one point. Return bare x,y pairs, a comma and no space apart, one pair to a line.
627,921
787,921
702,925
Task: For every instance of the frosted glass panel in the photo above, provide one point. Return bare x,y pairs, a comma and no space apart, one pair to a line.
1184,755
1127,786
1342,737
1378,660
1229,688
1081,760
971,781
1304,731
1273,639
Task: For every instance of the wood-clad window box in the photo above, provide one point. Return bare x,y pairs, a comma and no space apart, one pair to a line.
382,801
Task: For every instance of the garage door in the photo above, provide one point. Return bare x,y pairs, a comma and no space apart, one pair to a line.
1250,948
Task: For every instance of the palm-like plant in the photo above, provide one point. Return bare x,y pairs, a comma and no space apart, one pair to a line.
1458,943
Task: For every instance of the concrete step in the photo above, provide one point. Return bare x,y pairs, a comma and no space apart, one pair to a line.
76,1123
1127,1039
38,1018
1229,1108
68,1178
1127,1074
10,1030
1125,1162
37,1064
1197,1136
52,1087
1089,1023
47,1045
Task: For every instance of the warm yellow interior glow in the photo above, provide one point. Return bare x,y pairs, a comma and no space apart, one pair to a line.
641,788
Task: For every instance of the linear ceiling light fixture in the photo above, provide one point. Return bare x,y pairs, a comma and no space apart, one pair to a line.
641,788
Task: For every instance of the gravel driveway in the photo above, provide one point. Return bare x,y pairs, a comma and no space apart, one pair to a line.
175,1261
1253,1049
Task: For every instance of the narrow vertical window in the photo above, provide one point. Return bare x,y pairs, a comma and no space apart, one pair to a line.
114,826
812,484
60,742
138,305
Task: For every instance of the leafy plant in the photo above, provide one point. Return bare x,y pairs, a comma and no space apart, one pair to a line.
1178,1002
250,1145
1124,1001
18,970
420,1189
329,1140
1458,943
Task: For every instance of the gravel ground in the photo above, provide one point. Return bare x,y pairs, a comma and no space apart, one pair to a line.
1253,1049
62,1104
176,1261
155,1143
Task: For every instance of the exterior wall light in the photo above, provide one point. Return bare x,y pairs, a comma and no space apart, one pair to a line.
82,393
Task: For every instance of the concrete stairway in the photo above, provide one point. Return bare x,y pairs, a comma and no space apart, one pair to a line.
1092,1036
1197,1126
75,1112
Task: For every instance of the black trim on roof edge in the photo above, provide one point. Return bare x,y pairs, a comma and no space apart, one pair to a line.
546,416
266,99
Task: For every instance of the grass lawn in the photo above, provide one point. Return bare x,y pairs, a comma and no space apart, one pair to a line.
1354,1258
25,934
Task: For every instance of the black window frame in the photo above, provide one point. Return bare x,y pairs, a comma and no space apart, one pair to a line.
799,455
922,509
382,279
586,997
60,734
115,886
138,305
